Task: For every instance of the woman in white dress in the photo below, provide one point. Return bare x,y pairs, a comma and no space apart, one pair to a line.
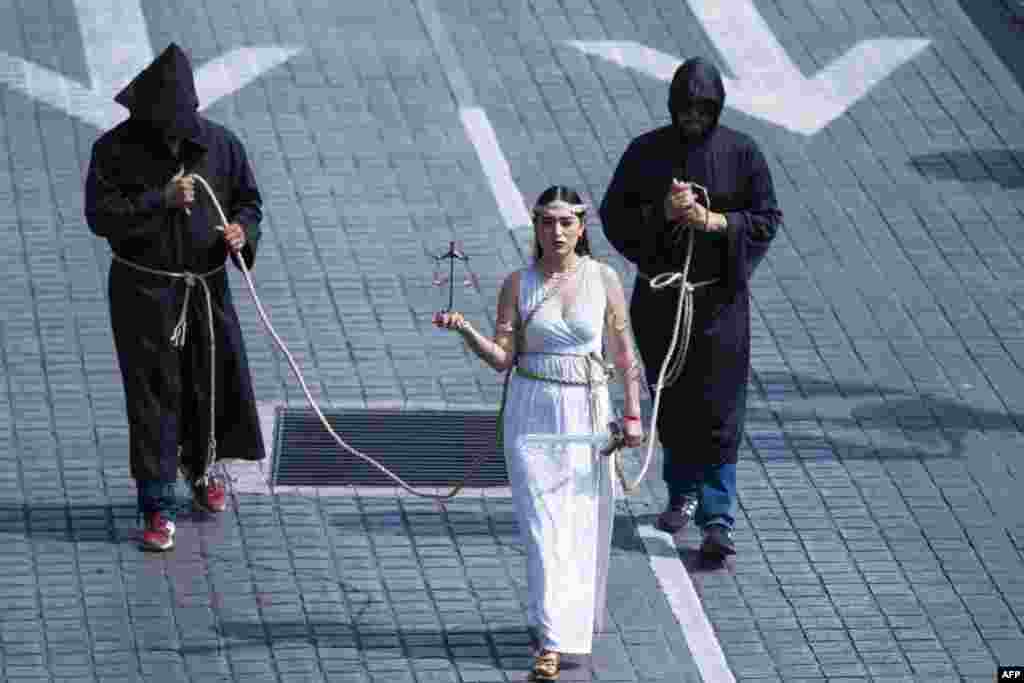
553,320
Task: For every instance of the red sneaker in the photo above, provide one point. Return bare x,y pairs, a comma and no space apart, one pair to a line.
210,495
158,534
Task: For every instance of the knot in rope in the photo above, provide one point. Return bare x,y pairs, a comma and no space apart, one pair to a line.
684,320
675,279
181,327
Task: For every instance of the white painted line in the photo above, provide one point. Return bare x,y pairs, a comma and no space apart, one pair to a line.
475,122
115,40
767,84
499,174
230,72
116,43
431,18
675,583
682,597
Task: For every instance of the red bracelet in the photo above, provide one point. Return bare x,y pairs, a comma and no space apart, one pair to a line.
631,417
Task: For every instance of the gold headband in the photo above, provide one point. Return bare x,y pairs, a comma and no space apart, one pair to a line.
560,204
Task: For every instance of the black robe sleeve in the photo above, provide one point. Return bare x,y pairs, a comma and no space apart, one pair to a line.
246,207
120,211
751,229
632,217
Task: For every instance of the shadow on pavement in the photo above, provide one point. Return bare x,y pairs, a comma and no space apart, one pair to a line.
1002,166
814,386
687,542
72,524
918,425
1001,22
506,648
84,523
696,564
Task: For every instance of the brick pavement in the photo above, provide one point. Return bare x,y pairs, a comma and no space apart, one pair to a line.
879,533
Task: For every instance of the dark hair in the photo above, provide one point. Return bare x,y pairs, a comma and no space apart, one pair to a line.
553,193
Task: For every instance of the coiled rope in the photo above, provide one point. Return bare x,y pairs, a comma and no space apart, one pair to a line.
672,365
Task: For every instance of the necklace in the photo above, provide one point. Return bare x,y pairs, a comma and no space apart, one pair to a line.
557,275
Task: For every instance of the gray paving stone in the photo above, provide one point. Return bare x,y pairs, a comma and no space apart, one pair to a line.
348,123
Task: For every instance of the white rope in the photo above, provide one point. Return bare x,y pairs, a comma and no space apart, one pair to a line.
305,389
672,365
178,335
683,320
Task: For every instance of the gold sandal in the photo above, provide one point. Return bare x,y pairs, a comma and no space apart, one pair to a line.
545,667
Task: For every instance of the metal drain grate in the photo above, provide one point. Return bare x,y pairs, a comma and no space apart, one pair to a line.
423,447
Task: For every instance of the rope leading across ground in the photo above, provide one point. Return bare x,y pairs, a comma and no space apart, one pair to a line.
683,323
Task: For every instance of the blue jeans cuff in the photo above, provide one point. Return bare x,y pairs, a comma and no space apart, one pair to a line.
157,496
677,496
720,521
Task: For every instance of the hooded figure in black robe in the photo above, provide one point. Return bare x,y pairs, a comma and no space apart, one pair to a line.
167,388
701,415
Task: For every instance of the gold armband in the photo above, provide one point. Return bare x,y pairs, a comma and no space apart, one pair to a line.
504,331
616,322
504,327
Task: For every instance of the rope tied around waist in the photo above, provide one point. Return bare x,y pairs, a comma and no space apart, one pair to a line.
613,448
180,329
178,335
583,366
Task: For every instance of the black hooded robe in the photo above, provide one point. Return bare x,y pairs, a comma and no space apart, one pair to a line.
701,416
167,389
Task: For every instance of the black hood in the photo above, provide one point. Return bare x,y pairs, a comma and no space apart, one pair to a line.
696,78
163,95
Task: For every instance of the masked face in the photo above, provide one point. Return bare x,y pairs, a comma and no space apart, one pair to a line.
695,117
173,142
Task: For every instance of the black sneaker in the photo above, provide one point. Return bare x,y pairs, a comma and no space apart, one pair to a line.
677,515
717,543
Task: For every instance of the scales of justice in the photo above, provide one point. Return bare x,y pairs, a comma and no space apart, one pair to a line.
453,254
608,443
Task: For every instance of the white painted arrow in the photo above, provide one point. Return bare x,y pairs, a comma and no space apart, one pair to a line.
768,85
117,47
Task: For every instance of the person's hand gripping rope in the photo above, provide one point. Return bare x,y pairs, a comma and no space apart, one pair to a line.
180,193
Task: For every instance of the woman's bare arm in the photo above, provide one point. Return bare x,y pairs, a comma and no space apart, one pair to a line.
620,340
500,351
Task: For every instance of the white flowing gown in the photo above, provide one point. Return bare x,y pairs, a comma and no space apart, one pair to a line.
564,494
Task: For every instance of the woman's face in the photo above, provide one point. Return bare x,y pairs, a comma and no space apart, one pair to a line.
558,230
